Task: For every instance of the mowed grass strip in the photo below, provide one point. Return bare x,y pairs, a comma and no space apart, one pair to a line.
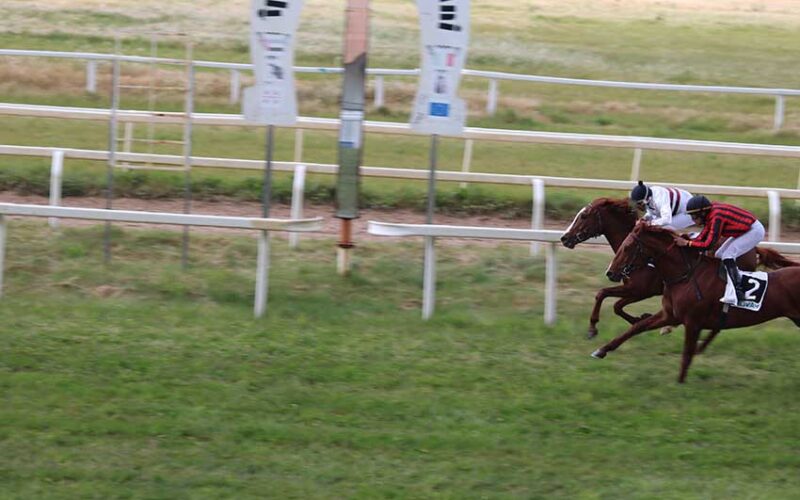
138,380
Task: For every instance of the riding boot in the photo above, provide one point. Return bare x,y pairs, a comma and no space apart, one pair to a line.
736,278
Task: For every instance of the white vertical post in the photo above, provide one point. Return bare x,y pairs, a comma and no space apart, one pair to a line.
551,290
56,174
262,274
3,231
127,137
236,86
637,162
491,99
378,91
774,215
466,162
298,188
298,145
91,76
779,112
429,278
537,211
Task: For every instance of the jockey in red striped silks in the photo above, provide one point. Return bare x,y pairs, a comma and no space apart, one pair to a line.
740,229
663,206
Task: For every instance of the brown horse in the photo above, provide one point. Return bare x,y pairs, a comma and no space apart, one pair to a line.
614,219
692,288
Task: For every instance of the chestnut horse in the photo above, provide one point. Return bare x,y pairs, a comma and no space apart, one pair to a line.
614,219
692,289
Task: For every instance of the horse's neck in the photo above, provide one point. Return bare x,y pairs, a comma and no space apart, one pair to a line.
617,230
678,265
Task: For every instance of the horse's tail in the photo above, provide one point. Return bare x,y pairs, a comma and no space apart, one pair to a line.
772,259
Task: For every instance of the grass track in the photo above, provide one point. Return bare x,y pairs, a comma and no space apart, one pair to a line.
139,381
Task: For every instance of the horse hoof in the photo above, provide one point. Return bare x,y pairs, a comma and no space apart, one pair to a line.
666,330
598,354
592,333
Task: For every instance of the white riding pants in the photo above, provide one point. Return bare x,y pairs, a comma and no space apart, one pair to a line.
680,221
736,247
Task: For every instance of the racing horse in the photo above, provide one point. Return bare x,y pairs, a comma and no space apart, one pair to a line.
614,219
692,288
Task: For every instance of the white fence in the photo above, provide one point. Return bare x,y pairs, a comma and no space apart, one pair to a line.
262,225
537,183
493,78
551,238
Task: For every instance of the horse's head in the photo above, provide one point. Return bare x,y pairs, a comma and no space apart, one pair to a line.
603,216
644,243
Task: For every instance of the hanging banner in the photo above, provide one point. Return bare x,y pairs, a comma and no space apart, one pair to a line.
272,100
444,27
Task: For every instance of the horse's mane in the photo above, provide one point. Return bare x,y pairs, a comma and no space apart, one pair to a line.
620,205
658,230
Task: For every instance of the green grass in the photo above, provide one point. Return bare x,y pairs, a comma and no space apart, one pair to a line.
138,380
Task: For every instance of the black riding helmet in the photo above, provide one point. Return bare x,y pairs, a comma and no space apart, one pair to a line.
640,193
697,204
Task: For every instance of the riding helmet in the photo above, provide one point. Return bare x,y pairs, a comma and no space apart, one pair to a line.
640,192
697,203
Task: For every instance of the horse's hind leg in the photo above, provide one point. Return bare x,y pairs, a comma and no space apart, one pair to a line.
661,318
704,344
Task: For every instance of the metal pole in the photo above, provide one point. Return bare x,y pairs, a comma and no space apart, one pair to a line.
266,189
429,278
262,274
551,280
779,113
187,151
774,215
91,76
56,170
112,148
298,187
637,162
432,181
537,212
466,162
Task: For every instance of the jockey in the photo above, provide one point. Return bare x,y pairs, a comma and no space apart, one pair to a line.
663,206
720,220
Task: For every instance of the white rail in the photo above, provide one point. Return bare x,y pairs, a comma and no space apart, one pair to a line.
263,225
537,182
493,76
549,237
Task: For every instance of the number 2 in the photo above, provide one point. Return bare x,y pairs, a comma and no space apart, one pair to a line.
750,295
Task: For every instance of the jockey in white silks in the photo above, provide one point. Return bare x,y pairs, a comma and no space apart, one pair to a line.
664,207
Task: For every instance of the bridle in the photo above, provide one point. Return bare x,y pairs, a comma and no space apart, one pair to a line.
582,236
640,255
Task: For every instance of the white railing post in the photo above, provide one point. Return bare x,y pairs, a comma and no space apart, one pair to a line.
779,113
298,145
378,91
3,231
262,274
236,86
298,188
537,211
91,76
466,162
774,215
551,287
56,174
637,162
429,279
127,137
491,99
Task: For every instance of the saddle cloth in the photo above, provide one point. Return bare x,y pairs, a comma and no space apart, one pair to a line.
755,289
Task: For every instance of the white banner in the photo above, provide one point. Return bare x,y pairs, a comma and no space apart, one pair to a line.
272,100
444,26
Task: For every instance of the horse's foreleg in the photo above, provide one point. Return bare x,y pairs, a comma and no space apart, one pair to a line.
691,334
624,301
661,318
614,291
704,343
